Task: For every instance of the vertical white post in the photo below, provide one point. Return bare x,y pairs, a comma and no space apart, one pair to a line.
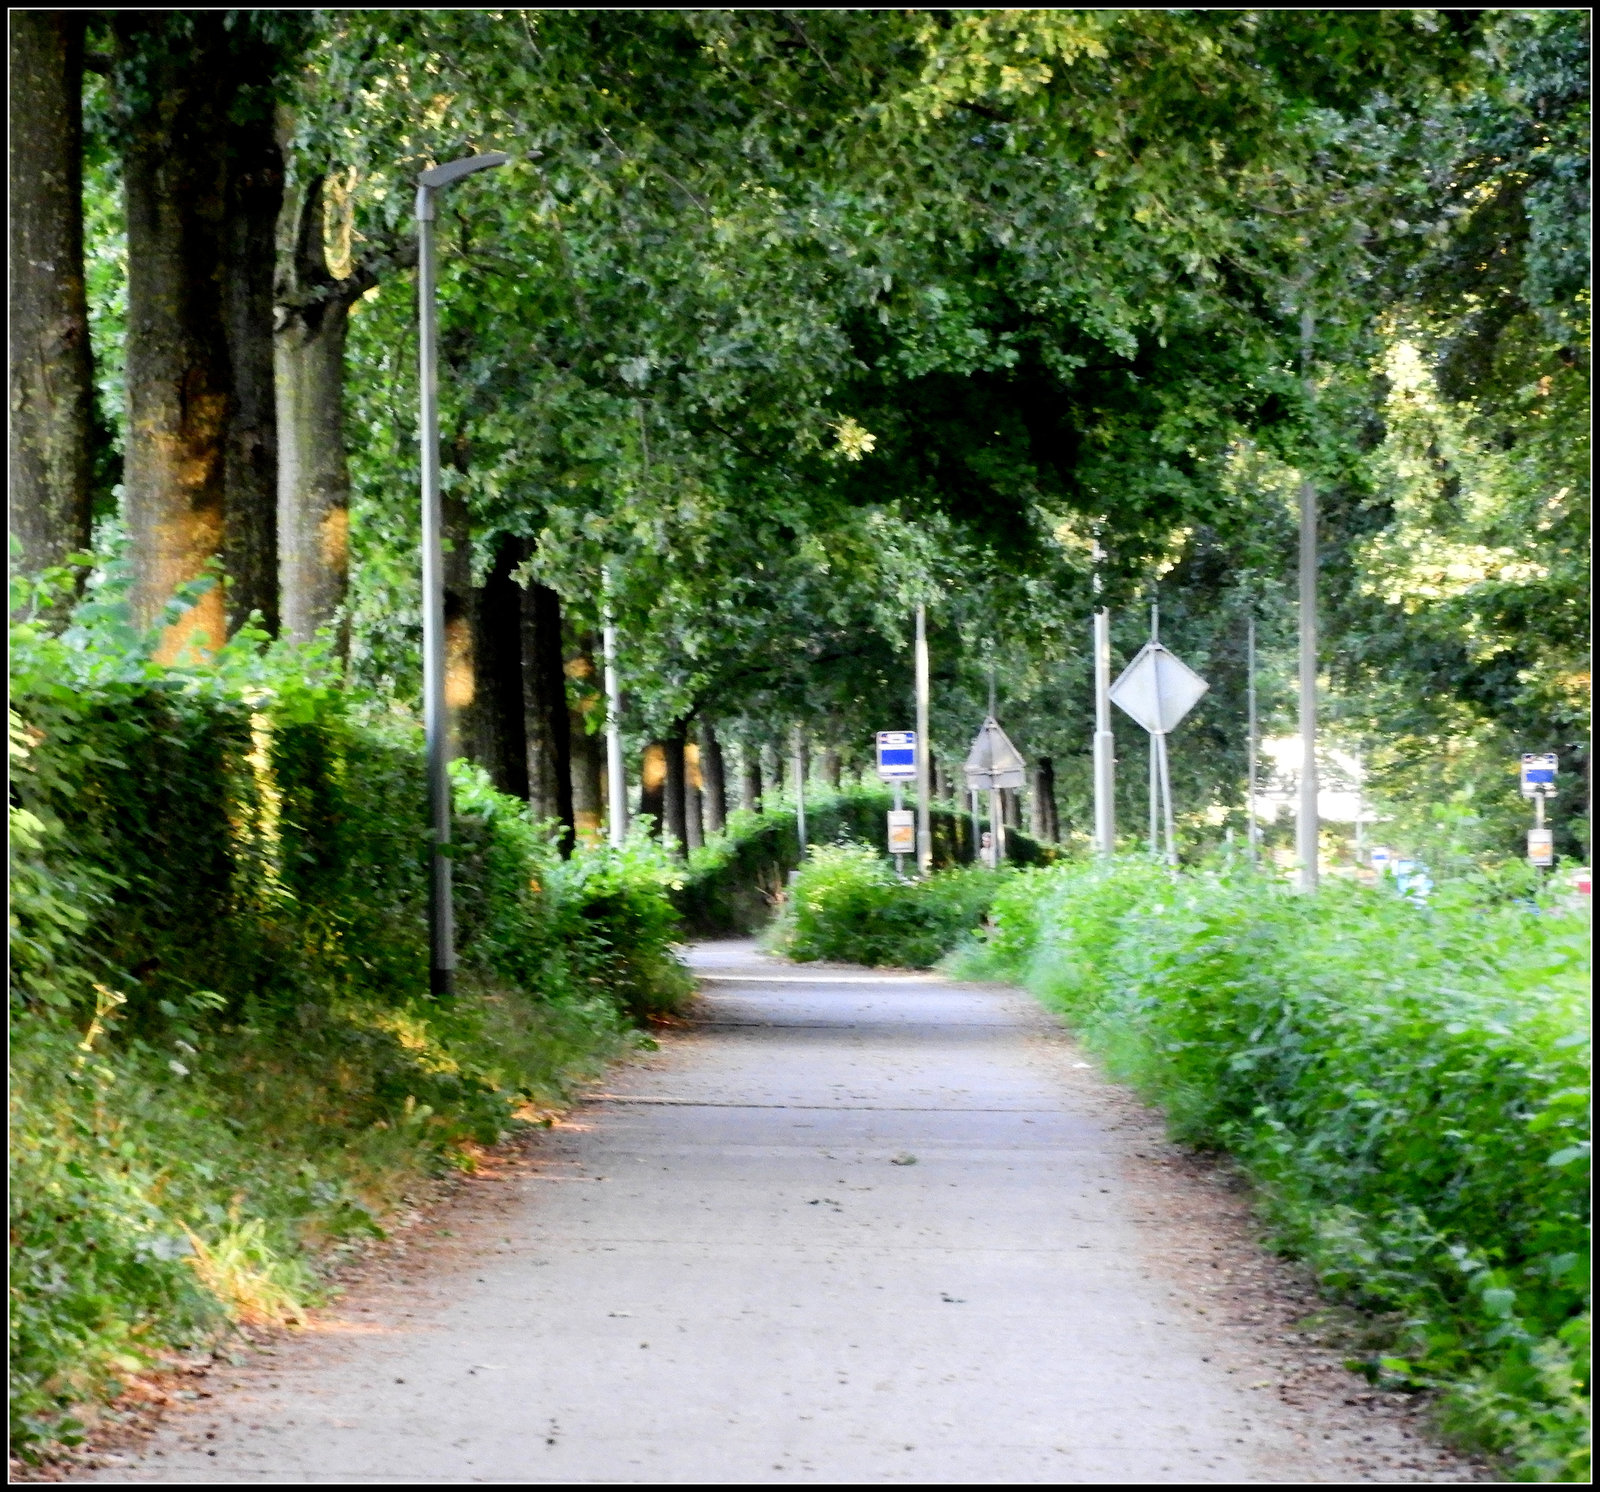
616,774
1252,828
1155,769
441,921
1159,741
997,830
1306,835
924,751
899,804
1105,820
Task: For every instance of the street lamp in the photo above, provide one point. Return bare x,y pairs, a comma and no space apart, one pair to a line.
441,922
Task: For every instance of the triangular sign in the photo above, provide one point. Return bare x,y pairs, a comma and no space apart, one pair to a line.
1158,689
993,760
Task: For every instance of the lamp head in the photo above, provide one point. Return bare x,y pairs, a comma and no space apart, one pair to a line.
441,176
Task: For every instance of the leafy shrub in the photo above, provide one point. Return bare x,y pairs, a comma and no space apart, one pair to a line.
734,881
224,1052
1409,1085
847,903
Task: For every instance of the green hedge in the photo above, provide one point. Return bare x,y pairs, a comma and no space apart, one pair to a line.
847,903
1409,1084
736,882
225,1058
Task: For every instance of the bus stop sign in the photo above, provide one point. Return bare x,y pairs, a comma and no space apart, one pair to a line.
1539,774
897,755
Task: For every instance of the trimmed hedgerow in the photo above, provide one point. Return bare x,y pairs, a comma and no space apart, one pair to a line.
224,1055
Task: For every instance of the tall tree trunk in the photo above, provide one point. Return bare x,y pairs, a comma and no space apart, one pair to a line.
51,388
750,777
832,767
714,777
495,731
652,786
201,179
460,628
313,471
694,817
588,779
178,375
1045,824
674,807
586,705
250,499
545,704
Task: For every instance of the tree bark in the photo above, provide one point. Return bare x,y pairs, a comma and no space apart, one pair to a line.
51,386
652,786
674,806
201,181
496,730
832,767
586,702
694,819
545,706
313,471
250,480
1045,824
750,777
178,376
714,778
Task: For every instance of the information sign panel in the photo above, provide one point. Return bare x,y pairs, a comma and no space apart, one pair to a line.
1541,847
897,755
902,831
1539,774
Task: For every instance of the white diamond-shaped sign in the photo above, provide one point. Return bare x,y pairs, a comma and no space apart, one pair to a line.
993,760
1158,689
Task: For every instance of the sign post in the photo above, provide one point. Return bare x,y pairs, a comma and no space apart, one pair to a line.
1157,689
900,762
1539,783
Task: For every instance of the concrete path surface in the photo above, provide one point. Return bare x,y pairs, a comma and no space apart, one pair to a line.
852,1226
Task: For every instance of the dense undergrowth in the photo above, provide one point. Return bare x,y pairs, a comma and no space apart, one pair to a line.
1408,1085
225,1060
847,903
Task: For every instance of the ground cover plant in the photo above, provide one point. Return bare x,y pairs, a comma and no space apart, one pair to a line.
224,1057
1408,1085
849,903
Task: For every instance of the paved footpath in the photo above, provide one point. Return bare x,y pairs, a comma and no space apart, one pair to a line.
853,1226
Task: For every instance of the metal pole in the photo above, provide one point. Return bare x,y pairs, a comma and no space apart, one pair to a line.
924,751
977,831
1253,830
1105,818
616,773
441,918
441,921
997,830
899,804
1306,828
1160,741
800,789
1155,773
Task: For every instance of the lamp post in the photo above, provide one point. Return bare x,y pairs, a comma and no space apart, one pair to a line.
441,922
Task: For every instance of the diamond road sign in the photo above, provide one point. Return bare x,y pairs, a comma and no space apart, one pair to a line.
1157,689
993,761
897,755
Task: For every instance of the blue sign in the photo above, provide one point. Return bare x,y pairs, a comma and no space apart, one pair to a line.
1539,774
897,755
